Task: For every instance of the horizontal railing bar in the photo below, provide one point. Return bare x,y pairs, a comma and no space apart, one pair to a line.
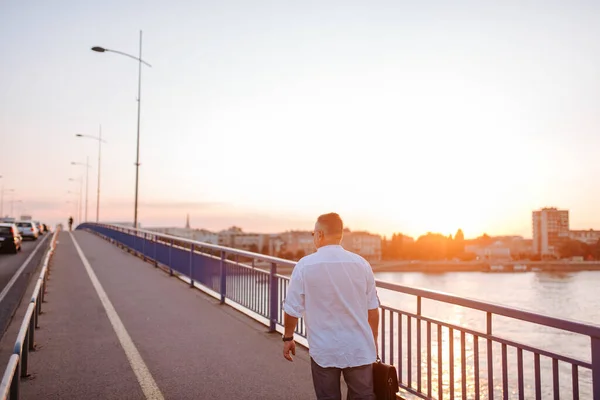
20,342
9,373
528,316
496,339
413,391
209,245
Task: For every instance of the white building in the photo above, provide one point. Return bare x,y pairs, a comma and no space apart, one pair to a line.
550,230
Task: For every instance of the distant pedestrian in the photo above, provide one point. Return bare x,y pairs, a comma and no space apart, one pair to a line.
335,290
70,223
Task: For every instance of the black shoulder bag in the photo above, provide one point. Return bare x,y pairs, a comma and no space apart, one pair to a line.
385,381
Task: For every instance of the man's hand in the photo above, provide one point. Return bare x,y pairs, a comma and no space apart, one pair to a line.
289,347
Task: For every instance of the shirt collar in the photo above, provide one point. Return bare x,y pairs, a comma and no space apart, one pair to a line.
330,246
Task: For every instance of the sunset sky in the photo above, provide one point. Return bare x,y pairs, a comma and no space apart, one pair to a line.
402,116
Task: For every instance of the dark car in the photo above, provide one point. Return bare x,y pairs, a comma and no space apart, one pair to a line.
10,239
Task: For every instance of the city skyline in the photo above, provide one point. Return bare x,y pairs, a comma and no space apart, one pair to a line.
401,117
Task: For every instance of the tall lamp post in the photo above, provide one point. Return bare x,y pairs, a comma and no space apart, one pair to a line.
2,191
80,188
139,101
100,141
87,175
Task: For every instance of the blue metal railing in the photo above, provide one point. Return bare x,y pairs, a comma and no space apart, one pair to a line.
25,342
435,359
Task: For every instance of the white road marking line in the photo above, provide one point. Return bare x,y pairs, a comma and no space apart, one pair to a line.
145,379
14,278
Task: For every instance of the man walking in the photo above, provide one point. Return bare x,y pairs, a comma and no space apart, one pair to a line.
335,291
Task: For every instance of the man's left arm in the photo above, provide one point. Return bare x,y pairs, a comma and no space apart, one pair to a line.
373,305
293,308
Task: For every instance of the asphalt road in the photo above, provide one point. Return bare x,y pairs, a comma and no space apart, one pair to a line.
193,347
27,262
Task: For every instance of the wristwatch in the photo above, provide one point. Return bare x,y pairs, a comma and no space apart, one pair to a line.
287,339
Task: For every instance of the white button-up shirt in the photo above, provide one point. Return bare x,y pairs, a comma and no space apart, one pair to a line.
334,289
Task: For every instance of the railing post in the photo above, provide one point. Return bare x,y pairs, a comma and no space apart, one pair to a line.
31,341
192,249
273,296
24,355
490,357
144,247
223,285
36,312
155,246
14,383
170,262
42,291
596,367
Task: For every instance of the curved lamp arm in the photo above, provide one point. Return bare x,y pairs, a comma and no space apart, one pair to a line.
102,50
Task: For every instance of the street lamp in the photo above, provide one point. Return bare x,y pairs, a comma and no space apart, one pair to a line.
100,141
87,174
139,100
2,191
80,188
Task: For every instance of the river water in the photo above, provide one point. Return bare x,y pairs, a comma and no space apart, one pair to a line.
574,296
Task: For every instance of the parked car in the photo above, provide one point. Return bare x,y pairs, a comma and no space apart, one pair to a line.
10,239
28,229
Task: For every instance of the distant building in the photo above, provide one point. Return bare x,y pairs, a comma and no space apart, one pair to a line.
235,237
298,241
199,235
550,230
368,245
588,237
497,251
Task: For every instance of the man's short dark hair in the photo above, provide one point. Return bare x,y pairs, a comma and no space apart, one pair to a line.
332,224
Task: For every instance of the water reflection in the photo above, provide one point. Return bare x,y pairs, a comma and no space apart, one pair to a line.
559,294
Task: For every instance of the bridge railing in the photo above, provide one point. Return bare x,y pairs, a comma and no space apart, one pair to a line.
435,358
18,363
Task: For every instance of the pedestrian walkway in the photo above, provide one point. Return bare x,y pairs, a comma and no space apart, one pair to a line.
115,327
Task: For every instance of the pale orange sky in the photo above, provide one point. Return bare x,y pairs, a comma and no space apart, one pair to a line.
402,117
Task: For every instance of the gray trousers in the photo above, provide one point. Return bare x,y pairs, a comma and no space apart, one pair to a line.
327,382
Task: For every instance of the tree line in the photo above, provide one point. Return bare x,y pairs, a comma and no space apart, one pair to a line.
431,246
574,248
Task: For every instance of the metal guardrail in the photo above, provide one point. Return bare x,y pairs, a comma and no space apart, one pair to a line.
25,342
421,346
